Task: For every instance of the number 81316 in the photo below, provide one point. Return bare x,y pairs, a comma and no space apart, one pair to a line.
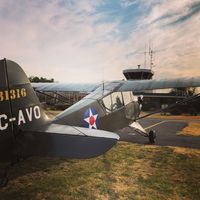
12,94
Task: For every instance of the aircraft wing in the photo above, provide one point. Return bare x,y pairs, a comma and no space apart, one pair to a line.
126,85
142,85
65,87
55,140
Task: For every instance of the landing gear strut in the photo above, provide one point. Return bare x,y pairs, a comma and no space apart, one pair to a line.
152,136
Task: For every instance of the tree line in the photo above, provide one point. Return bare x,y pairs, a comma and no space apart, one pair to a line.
36,79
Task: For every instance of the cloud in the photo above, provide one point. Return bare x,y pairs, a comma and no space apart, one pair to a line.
179,44
90,41
193,10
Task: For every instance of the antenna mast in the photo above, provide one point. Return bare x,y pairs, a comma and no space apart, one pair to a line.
145,55
151,52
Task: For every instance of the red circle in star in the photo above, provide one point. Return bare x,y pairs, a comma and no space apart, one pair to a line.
92,120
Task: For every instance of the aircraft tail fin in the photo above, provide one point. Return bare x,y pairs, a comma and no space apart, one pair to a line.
20,108
22,102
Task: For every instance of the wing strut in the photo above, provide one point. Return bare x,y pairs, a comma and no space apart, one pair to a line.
186,100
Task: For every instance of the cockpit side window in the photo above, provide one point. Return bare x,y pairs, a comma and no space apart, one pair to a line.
128,97
112,102
117,101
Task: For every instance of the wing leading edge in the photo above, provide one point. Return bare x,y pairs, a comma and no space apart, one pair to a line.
65,87
142,85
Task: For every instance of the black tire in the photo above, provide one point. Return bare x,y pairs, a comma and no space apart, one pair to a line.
152,136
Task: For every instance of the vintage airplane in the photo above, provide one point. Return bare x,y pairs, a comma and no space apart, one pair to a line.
83,130
112,105
25,130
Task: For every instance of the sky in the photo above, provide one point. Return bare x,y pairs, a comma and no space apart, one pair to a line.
94,40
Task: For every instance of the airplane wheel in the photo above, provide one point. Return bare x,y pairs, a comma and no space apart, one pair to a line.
152,136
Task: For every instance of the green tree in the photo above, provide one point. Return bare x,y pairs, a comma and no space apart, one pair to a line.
36,79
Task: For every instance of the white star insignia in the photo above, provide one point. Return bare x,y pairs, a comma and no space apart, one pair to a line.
91,120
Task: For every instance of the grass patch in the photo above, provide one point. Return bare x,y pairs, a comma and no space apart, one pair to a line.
128,171
192,129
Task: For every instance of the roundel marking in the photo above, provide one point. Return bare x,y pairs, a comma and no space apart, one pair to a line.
91,118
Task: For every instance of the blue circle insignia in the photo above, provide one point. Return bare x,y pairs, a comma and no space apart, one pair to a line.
91,118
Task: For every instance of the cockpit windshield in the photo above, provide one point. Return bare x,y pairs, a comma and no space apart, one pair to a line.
112,102
117,100
103,90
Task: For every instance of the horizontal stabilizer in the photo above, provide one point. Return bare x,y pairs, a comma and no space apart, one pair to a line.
68,142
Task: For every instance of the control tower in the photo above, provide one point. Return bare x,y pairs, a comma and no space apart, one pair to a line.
138,74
